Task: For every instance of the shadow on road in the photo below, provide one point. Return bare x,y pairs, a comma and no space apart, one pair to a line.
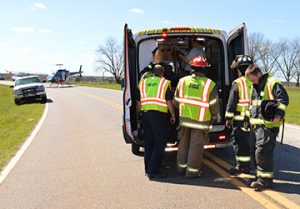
287,168
286,175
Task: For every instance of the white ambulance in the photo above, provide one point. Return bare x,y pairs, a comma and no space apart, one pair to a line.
220,50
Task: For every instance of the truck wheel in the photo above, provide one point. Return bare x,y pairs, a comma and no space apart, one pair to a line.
17,101
135,149
44,99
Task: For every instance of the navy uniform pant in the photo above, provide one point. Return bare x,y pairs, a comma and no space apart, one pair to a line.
155,126
241,145
263,141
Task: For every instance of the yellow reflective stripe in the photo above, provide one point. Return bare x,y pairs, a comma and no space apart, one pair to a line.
195,125
194,170
243,158
151,31
229,114
193,30
182,165
143,32
264,174
256,121
282,106
160,30
217,31
208,30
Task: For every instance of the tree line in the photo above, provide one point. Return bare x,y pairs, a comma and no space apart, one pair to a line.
281,58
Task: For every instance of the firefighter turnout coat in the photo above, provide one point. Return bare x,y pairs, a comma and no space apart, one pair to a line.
263,133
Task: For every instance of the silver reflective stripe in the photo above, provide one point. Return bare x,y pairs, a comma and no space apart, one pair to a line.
213,101
282,106
239,117
229,114
245,129
194,170
194,125
243,158
182,165
264,174
256,121
255,102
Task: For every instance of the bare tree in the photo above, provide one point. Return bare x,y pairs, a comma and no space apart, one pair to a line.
262,51
297,62
110,59
288,53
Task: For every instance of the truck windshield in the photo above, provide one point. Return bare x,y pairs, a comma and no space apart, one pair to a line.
27,81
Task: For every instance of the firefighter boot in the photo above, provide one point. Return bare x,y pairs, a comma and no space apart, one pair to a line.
259,185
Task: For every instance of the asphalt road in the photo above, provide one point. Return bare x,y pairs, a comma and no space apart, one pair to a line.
79,159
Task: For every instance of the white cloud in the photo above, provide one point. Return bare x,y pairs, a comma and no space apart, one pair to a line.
23,29
137,11
26,51
80,42
45,30
38,5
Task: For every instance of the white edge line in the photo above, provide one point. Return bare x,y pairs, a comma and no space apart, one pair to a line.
11,164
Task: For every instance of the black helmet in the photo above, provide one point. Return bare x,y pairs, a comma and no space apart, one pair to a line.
268,109
241,60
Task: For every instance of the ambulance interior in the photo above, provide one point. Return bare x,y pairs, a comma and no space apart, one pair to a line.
167,50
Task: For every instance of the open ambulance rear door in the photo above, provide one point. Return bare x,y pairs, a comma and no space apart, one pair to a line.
237,43
130,87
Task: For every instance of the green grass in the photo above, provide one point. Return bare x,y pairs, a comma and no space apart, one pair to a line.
293,111
16,123
98,85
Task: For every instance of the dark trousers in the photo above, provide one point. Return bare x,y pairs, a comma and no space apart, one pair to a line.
241,146
155,126
263,141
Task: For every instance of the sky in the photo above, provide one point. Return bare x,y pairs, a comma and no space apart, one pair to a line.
37,35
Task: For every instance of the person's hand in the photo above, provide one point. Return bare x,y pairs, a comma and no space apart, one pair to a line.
229,123
172,119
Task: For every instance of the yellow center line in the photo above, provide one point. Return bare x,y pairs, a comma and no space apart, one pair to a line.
249,191
244,188
272,194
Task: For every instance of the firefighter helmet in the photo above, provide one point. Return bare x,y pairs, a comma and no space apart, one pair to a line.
198,63
241,60
268,109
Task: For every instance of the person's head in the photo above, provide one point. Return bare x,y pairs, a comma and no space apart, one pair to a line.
158,70
241,63
194,42
199,64
253,73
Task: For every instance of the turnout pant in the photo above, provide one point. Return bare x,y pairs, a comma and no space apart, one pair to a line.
241,146
263,141
190,150
155,126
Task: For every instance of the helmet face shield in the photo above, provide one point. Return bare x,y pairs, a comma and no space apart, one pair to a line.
241,60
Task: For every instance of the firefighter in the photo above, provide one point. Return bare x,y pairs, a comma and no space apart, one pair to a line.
237,114
263,130
154,102
196,96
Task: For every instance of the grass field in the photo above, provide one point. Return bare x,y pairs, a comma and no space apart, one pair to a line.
16,123
293,111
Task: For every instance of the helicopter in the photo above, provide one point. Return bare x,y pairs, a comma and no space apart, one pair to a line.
61,76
